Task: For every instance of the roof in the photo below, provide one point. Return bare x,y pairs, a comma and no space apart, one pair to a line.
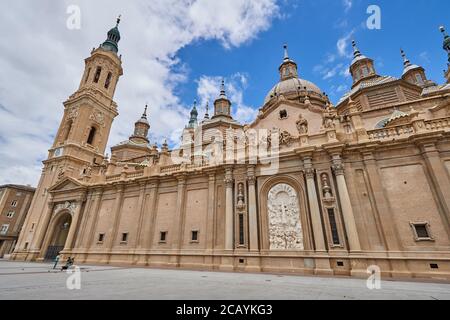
432,89
291,85
18,187
367,84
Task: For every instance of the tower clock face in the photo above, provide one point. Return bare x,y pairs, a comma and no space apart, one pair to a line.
58,152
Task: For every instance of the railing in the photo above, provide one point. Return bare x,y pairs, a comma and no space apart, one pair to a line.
135,174
113,177
390,133
437,124
171,168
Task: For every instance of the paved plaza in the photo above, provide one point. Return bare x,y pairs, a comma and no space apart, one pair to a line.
19,280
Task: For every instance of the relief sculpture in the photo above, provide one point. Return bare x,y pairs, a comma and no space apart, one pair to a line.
285,230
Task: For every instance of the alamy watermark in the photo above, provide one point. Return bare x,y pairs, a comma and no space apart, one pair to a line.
73,21
73,282
374,280
374,20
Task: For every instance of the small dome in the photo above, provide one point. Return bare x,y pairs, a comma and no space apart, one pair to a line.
292,85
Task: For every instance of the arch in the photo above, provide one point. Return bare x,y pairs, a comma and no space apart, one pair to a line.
57,233
297,185
92,134
108,80
98,72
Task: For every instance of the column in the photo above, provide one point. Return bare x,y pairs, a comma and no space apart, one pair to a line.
89,240
252,211
120,189
178,232
44,226
229,209
146,237
347,210
73,226
141,201
210,215
316,219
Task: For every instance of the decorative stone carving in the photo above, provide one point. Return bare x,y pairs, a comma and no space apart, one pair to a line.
228,179
328,117
338,169
240,197
285,138
285,230
326,188
61,173
70,206
302,125
98,117
73,113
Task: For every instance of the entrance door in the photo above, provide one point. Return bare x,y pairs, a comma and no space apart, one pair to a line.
60,232
52,252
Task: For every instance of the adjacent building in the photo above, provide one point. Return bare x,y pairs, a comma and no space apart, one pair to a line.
307,187
15,201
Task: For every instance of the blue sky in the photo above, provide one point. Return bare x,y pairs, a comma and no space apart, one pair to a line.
312,30
175,51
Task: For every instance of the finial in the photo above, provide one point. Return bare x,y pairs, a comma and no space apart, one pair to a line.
222,88
406,61
356,51
207,110
144,115
286,55
118,20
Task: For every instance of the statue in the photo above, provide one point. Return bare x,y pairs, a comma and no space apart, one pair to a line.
240,197
328,117
302,125
326,186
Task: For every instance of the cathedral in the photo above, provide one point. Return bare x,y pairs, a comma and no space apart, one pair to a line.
306,188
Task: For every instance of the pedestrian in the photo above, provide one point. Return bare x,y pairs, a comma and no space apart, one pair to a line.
56,261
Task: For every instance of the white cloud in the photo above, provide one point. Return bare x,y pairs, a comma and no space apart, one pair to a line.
42,62
209,88
343,43
348,4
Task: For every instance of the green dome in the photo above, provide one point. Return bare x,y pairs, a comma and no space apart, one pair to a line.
111,44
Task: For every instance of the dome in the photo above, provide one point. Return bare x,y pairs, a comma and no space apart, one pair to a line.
292,85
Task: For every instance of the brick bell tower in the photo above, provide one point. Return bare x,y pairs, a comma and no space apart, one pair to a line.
80,140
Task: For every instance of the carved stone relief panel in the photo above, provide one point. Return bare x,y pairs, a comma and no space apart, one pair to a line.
285,229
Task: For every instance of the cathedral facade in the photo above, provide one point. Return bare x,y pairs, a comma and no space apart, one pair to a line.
307,187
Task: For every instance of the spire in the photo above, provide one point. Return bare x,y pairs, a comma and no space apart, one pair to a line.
222,89
288,68
406,61
207,110
111,43
194,114
144,115
286,55
141,128
356,52
222,105
446,44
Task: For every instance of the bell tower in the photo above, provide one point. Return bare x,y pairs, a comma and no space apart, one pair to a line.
80,141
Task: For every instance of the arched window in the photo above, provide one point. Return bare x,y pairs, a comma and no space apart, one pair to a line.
108,80
68,129
97,74
91,136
